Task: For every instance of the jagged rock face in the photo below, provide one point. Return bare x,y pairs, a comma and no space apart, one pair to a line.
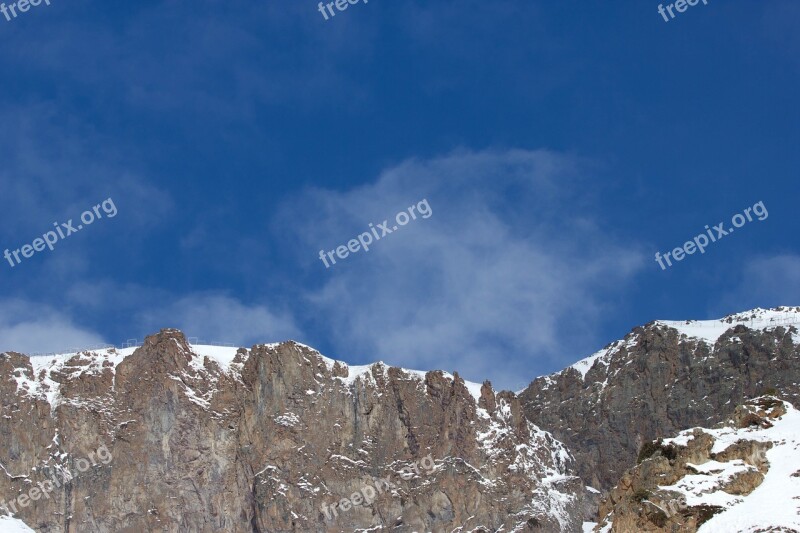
654,383
705,479
263,442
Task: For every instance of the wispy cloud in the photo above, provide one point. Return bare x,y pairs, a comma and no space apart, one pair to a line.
766,281
52,170
215,317
31,327
27,326
484,285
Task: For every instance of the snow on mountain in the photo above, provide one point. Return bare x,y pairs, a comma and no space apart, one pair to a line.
708,331
661,378
775,503
355,372
584,365
73,364
307,430
743,476
711,330
13,525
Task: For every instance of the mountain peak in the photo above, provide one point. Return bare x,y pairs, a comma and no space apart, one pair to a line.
663,377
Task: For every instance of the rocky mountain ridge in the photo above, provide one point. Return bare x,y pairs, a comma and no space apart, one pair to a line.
743,475
212,439
272,438
662,378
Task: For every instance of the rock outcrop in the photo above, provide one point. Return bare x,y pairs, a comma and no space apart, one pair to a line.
278,438
663,378
262,440
726,479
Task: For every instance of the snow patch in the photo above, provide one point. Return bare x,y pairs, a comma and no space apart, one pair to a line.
774,504
710,331
222,355
9,524
88,362
287,420
584,365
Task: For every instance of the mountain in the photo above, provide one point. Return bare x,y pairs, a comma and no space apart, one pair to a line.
274,438
662,378
174,437
743,475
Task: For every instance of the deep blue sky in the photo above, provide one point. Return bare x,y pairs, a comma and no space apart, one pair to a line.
559,145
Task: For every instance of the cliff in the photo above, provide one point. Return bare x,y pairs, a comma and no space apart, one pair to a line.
269,439
662,378
743,475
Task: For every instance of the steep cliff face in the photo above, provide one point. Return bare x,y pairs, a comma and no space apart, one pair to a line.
663,378
740,476
276,438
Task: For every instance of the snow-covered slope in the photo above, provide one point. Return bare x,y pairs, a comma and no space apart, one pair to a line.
708,331
711,330
13,525
775,503
74,364
743,476
661,378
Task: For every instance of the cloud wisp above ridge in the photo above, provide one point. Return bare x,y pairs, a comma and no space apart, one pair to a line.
484,286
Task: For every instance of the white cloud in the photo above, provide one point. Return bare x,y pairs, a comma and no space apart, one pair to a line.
209,316
767,281
27,327
53,171
142,311
511,266
221,63
220,318
509,275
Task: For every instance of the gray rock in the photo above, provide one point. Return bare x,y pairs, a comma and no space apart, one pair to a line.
654,383
264,445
